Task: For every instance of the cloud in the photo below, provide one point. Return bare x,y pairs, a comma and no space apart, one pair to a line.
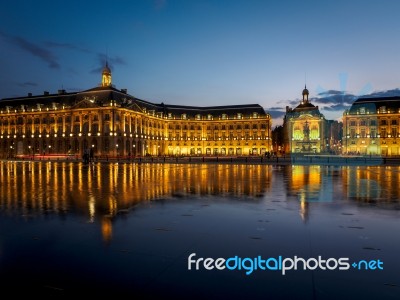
276,112
334,97
27,83
339,101
66,46
387,93
336,107
330,92
111,61
33,49
289,102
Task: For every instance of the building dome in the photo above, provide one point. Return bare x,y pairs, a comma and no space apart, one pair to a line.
305,91
106,70
106,76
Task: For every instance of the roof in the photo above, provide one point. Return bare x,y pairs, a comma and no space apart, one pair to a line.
305,106
103,95
372,104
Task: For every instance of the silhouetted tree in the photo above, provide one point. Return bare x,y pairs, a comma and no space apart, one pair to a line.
277,138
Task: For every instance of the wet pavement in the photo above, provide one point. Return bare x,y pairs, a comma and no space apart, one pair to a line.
129,228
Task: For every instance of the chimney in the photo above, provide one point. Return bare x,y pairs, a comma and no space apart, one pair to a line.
125,91
46,93
29,94
61,92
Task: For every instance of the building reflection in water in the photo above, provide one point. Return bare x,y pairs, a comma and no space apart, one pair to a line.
377,184
309,184
101,191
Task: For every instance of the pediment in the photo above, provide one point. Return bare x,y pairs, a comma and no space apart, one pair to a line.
308,117
85,103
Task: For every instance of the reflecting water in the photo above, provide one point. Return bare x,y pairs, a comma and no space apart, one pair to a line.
130,227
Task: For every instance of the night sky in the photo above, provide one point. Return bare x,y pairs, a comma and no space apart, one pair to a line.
205,52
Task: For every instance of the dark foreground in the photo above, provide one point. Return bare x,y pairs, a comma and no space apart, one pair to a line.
128,229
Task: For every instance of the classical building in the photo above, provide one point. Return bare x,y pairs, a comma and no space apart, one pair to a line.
305,128
111,122
371,126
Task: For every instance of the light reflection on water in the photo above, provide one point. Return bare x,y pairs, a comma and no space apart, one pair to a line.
166,211
104,189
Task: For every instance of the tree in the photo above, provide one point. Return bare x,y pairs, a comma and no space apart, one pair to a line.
277,138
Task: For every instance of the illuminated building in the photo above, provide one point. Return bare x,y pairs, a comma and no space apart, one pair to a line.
370,127
112,122
305,128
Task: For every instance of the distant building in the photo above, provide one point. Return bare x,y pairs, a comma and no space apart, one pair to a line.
371,126
108,121
305,128
334,132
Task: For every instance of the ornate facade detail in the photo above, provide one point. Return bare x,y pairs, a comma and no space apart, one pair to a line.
305,128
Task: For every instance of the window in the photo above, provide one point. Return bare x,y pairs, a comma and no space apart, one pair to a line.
255,115
95,128
76,118
224,117
254,126
209,117
362,122
198,117
352,123
383,122
373,133
372,122
183,116
239,115
394,122
107,117
76,129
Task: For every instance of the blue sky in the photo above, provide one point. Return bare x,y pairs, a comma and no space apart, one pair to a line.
205,52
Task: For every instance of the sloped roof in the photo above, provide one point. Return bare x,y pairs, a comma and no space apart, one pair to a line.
103,95
372,104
